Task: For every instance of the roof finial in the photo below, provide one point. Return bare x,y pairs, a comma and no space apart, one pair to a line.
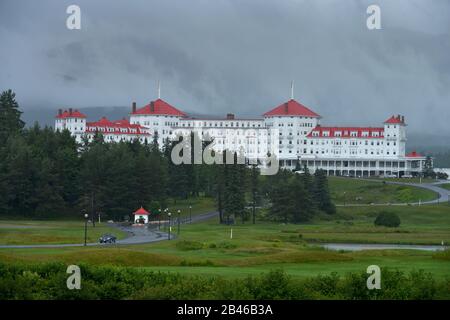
292,90
159,89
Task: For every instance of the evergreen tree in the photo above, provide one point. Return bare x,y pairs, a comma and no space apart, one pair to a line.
308,180
154,146
254,182
21,176
219,172
10,122
119,194
303,206
94,176
234,190
322,193
428,171
282,204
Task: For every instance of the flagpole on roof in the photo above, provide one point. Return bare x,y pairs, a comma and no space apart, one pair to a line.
292,90
159,89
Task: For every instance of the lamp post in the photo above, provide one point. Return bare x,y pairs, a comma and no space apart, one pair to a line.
169,214
159,219
166,210
190,214
344,197
178,221
85,227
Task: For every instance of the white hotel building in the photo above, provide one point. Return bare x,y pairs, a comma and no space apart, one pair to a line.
291,130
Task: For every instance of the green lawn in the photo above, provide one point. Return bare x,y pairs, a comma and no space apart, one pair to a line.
408,180
445,186
405,262
351,191
199,205
206,248
51,232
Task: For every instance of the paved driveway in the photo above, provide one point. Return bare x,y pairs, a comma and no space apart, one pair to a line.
443,194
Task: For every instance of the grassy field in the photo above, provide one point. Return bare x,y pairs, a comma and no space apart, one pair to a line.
51,232
199,205
18,232
352,191
445,186
206,248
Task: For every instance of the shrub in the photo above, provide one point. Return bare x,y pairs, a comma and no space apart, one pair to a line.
442,175
387,219
46,281
442,255
226,245
189,245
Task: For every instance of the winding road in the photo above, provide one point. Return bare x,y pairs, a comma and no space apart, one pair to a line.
443,194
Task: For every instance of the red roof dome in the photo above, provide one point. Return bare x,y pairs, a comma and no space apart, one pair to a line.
70,114
396,120
414,154
291,108
141,212
159,107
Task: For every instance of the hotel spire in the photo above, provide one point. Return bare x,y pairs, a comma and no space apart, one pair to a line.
159,89
292,90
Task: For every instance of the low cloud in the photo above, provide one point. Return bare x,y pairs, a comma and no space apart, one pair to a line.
234,56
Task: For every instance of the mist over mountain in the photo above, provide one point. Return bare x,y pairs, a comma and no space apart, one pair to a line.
233,56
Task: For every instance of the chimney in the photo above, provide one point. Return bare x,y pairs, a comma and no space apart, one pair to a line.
152,106
133,107
286,108
59,112
230,116
70,111
403,119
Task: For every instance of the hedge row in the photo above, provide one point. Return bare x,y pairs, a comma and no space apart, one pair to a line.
48,281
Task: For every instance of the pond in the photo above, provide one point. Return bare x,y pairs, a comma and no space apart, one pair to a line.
359,247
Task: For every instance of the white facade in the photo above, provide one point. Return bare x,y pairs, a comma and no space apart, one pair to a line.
112,131
72,120
291,130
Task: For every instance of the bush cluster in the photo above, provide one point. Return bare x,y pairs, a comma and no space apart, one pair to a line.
387,219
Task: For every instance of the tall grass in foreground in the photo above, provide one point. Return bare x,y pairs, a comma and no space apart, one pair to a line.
48,281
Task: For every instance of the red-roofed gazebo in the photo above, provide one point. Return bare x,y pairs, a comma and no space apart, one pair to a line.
141,215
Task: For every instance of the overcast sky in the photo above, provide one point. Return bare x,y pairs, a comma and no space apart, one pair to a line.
234,56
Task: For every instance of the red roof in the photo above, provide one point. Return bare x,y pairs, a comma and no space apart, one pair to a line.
116,127
396,120
141,212
70,114
346,132
159,107
292,108
414,154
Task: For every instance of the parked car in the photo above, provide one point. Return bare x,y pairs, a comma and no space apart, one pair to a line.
107,238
